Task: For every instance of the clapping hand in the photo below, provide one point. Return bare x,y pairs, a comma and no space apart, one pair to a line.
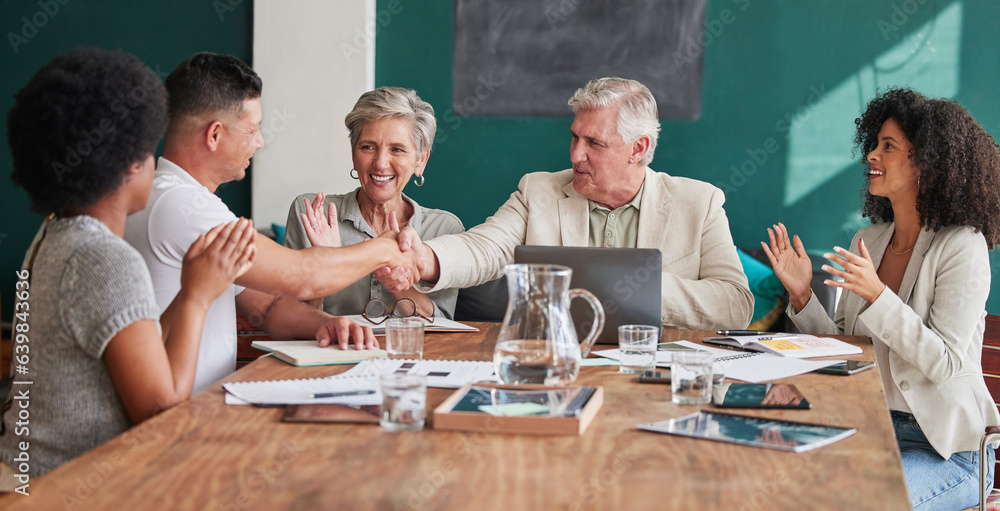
217,258
858,272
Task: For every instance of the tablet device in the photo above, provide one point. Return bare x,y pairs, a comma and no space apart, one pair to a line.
626,281
759,395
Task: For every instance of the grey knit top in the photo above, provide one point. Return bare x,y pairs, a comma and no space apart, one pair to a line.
86,285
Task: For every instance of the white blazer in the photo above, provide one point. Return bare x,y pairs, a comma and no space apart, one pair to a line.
933,328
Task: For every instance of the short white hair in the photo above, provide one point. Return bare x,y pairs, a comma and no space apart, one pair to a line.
390,103
637,115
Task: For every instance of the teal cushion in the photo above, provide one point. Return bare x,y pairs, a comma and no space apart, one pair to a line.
764,285
279,232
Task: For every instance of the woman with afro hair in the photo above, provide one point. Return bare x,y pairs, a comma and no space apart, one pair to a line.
101,356
916,282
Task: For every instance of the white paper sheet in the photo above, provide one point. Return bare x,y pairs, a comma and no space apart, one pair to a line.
748,366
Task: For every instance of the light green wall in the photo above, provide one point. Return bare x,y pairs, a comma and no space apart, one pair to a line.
783,79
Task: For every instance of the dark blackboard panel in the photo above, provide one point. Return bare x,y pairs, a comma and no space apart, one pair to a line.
527,57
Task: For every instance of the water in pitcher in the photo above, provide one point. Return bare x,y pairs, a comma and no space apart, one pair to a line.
521,361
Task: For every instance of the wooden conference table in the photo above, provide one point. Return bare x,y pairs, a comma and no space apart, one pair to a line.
205,455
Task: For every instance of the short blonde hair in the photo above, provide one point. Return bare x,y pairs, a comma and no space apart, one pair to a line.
390,103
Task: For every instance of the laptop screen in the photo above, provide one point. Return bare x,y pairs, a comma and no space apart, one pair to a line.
626,281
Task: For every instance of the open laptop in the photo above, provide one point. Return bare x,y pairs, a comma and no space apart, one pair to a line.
626,281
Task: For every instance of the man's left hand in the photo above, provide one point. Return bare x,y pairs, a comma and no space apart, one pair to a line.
344,331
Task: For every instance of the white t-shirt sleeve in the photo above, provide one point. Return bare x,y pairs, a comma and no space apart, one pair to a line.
181,215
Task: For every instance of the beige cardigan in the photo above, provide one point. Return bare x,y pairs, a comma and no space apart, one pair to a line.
703,282
934,330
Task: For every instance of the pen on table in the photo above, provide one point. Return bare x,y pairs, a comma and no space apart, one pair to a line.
739,332
341,394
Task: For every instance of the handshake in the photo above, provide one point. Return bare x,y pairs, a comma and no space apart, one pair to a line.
416,261
409,259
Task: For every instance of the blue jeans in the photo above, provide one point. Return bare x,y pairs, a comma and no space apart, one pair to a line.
934,482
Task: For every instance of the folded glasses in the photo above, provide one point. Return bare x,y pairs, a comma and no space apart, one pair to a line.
377,313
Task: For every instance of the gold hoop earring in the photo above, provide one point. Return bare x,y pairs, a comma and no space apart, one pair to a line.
420,182
354,174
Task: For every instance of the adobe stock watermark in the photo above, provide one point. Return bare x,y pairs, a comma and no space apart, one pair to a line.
31,24
433,480
561,12
85,486
276,123
772,488
694,46
599,483
224,7
364,38
758,156
260,479
901,14
486,87
626,286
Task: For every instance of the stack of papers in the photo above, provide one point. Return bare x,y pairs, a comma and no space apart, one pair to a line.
359,385
753,367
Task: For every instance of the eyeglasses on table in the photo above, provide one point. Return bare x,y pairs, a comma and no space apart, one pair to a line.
376,312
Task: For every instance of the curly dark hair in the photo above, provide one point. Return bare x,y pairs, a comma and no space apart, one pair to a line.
209,82
80,123
959,162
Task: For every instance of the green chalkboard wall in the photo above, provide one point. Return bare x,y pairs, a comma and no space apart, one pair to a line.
160,33
783,82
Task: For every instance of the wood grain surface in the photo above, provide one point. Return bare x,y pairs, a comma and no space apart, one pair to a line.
204,455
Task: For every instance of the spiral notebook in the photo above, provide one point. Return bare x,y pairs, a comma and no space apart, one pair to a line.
362,378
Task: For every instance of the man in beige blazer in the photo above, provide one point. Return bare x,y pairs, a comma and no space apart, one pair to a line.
609,198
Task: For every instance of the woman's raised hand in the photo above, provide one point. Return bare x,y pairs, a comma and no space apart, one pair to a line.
217,258
790,263
322,230
859,274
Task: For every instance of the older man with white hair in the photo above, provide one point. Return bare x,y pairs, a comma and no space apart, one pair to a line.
609,198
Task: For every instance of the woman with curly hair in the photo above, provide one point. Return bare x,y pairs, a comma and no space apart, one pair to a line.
916,283
82,134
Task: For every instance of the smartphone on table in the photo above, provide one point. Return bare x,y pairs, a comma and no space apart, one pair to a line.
847,368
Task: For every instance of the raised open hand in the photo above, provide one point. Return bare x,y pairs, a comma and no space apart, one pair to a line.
790,263
322,230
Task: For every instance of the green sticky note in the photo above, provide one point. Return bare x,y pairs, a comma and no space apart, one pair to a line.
515,409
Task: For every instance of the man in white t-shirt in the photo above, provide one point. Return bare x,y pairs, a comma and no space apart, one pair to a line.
213,132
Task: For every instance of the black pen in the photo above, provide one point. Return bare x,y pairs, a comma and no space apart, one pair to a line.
341,394
739,332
